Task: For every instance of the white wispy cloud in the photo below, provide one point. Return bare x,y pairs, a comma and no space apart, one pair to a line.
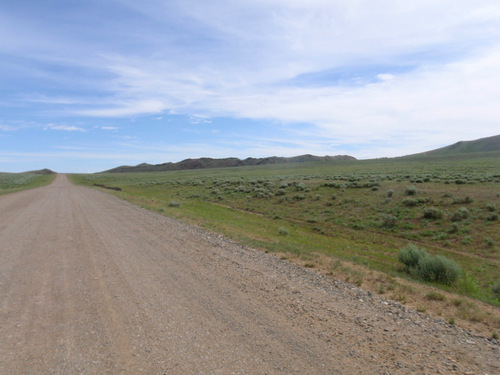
449,82
14,126
198,119
64,127
392,77
134,108
8,128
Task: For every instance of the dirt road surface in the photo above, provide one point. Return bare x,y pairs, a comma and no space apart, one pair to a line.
90,284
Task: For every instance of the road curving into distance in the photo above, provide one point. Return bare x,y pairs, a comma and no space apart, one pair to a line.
90,284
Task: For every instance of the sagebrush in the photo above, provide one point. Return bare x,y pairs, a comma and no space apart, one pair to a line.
435,268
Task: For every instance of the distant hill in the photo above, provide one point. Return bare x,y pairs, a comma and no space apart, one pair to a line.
205,163
41,171
465,147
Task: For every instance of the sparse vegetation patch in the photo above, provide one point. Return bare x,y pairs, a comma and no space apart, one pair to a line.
12,182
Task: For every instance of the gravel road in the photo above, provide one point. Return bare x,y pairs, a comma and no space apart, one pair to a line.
90,284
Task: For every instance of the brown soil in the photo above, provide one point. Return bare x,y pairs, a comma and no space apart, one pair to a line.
90,284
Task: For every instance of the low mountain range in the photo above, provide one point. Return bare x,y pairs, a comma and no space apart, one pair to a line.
463,147
203,163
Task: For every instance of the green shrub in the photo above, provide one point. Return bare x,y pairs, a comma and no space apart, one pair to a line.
491,207
299,186
411,190
460,214
282,231
410,202
433,213
465,200
493,216
438,268
420,264
390,193
410,255
262,193
174,204
388,221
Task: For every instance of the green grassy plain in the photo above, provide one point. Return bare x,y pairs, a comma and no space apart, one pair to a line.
13,182
354,211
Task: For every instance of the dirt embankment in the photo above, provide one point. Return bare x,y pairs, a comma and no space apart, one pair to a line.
90,284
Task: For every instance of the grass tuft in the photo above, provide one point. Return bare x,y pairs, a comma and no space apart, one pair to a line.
282,231
435,296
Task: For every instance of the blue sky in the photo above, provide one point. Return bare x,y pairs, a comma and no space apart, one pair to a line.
89,85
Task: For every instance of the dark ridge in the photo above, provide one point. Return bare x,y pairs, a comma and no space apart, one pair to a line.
205,163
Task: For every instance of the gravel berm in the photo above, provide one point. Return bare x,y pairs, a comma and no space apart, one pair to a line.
90,284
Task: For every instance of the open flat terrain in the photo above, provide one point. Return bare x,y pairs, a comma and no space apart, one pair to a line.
350,220
90,284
